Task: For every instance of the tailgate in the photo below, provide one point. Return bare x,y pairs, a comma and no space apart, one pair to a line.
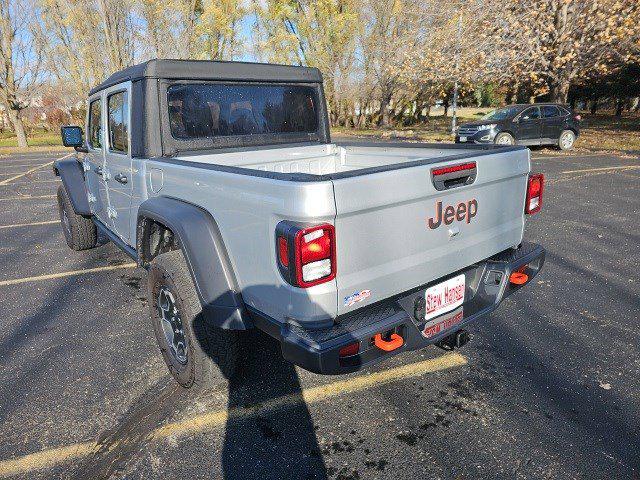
386,243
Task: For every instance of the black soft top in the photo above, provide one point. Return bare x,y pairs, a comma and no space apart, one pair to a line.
212,70
151,135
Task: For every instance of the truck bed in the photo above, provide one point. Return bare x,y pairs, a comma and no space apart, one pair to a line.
336,158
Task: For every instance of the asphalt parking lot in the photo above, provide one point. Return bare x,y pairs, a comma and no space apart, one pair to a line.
549,386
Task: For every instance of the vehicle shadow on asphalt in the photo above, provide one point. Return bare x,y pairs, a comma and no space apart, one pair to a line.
268,434
274,442
264,443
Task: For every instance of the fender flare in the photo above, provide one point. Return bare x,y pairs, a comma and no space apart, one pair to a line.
199,238
72,174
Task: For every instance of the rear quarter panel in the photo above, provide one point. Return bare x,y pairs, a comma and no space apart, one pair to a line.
247,210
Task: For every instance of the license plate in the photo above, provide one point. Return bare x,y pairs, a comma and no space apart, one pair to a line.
463,139
444,297
443,323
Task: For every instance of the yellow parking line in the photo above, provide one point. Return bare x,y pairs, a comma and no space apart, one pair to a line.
603,169
56,456
31,170
45,459
569,157
10,165
33,224
218,418
24,174
29,182
26,197
50,276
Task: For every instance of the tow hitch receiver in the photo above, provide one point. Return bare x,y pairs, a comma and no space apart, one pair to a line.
395,341
455,340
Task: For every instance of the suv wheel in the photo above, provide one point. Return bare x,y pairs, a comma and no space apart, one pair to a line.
79,232
566,140
195,352
504,138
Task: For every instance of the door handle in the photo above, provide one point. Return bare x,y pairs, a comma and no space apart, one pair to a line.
121,178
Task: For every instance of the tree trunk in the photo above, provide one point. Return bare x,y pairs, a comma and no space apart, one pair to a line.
385,115
619,106
445,104
18,127
594,106
560,91
362,120
572,103
508,98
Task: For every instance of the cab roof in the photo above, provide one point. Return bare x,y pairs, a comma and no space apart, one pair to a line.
212,70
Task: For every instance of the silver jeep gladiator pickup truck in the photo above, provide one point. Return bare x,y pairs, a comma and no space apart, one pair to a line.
221,179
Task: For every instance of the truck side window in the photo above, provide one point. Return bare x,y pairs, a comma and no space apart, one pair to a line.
95,124
118,114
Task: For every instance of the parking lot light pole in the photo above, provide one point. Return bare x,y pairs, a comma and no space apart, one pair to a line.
454,107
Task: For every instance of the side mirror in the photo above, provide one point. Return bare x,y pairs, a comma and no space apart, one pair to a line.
72,137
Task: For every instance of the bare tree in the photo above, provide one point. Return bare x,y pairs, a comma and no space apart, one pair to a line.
316,33
117,27
564,41
390,35
20,62
70,31
215,32
168,27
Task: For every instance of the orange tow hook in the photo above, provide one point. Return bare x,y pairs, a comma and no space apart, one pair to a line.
518,278
388,345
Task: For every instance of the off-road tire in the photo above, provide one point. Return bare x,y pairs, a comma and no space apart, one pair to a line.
501,137
211,352
79,231
566,144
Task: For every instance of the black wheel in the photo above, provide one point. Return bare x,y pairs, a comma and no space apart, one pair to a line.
566,140
196,352
80,232
504,138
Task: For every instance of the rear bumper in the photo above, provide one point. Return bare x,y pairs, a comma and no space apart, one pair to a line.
487,284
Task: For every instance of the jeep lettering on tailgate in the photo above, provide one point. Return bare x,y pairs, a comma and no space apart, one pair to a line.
460,212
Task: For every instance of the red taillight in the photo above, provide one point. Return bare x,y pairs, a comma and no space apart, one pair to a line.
454,168
283,251
535,187
349,350
315,255
315,246
306,256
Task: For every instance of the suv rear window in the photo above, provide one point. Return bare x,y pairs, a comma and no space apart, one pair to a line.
224,110
550,111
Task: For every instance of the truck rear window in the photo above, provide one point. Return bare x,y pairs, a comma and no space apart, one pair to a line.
224,110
